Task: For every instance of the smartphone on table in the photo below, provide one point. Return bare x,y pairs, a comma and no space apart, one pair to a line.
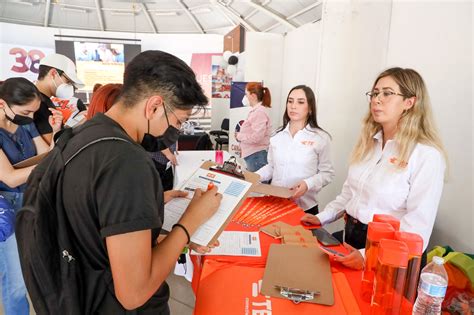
325,238
331,252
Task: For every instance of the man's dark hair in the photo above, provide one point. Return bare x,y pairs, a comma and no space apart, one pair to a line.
18,91
156,72
43,71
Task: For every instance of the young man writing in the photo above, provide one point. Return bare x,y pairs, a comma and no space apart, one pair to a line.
113,196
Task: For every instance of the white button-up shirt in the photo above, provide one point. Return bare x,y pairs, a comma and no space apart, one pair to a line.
306,156
411,194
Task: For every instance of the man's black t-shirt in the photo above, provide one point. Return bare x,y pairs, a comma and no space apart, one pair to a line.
111,188
80,105
41,116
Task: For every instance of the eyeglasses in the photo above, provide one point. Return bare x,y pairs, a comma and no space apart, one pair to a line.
383,95
180,122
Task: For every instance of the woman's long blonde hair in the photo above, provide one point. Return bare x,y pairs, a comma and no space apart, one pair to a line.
416,125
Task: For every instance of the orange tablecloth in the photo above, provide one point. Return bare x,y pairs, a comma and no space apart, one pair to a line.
229,284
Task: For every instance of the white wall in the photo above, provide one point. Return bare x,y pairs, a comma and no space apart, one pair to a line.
353,45
300,59
362,38
436,40
263,62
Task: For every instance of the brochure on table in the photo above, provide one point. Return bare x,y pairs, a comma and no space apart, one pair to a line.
237,243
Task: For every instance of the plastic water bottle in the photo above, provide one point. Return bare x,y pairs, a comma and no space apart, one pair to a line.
432,288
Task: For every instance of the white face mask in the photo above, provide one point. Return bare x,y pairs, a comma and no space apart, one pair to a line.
245,101
64,90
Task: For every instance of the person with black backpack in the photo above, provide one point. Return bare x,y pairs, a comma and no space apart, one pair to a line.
94,208
19,140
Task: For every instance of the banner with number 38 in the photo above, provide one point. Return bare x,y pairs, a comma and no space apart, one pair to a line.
21,61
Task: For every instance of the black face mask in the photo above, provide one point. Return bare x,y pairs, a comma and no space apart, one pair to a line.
18,119
170,136
154,144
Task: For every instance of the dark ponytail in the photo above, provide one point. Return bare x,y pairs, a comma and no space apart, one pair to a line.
18,91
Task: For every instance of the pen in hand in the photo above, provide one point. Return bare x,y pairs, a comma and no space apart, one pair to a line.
210,186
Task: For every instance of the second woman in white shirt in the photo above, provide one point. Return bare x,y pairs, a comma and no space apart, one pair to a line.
397,165
299,153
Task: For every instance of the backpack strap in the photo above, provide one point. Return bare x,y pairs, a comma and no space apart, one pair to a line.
92,143
92,133
62,138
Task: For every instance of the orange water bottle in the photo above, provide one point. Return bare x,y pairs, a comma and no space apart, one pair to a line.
375,232
414,243
387,218
389,278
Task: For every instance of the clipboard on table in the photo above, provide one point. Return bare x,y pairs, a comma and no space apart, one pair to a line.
31,161
214,168
299,274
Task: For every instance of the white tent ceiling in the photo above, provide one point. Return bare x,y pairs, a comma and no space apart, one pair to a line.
163,16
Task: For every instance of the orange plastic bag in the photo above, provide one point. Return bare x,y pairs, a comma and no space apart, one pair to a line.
459,297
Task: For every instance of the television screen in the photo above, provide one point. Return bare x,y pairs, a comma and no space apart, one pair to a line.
99,63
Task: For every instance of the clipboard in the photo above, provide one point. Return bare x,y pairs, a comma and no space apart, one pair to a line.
31,161
249,177
305,277
272,190
210,232
230,167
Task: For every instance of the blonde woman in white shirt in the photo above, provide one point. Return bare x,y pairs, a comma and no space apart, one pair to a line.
299,153
397,166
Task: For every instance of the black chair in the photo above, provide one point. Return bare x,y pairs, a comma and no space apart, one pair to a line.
204,143
222,136
197,141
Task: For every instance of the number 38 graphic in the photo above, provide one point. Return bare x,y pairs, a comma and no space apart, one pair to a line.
26,60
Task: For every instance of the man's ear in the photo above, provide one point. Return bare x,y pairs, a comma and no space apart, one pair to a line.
52,72
153,106
2,103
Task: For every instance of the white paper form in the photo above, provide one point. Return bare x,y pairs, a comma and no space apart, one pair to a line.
233,243
232,190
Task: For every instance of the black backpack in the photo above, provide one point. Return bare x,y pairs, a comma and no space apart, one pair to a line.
53,273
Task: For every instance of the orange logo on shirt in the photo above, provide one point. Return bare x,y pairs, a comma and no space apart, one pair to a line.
393,160
307,142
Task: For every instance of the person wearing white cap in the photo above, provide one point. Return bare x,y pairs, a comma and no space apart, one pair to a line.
57,77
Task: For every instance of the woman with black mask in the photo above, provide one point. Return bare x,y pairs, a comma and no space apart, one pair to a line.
19,140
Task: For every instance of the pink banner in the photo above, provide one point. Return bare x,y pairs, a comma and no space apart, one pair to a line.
201,65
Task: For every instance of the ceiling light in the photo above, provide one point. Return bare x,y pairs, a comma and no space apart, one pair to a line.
74,10
169,13
123,13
